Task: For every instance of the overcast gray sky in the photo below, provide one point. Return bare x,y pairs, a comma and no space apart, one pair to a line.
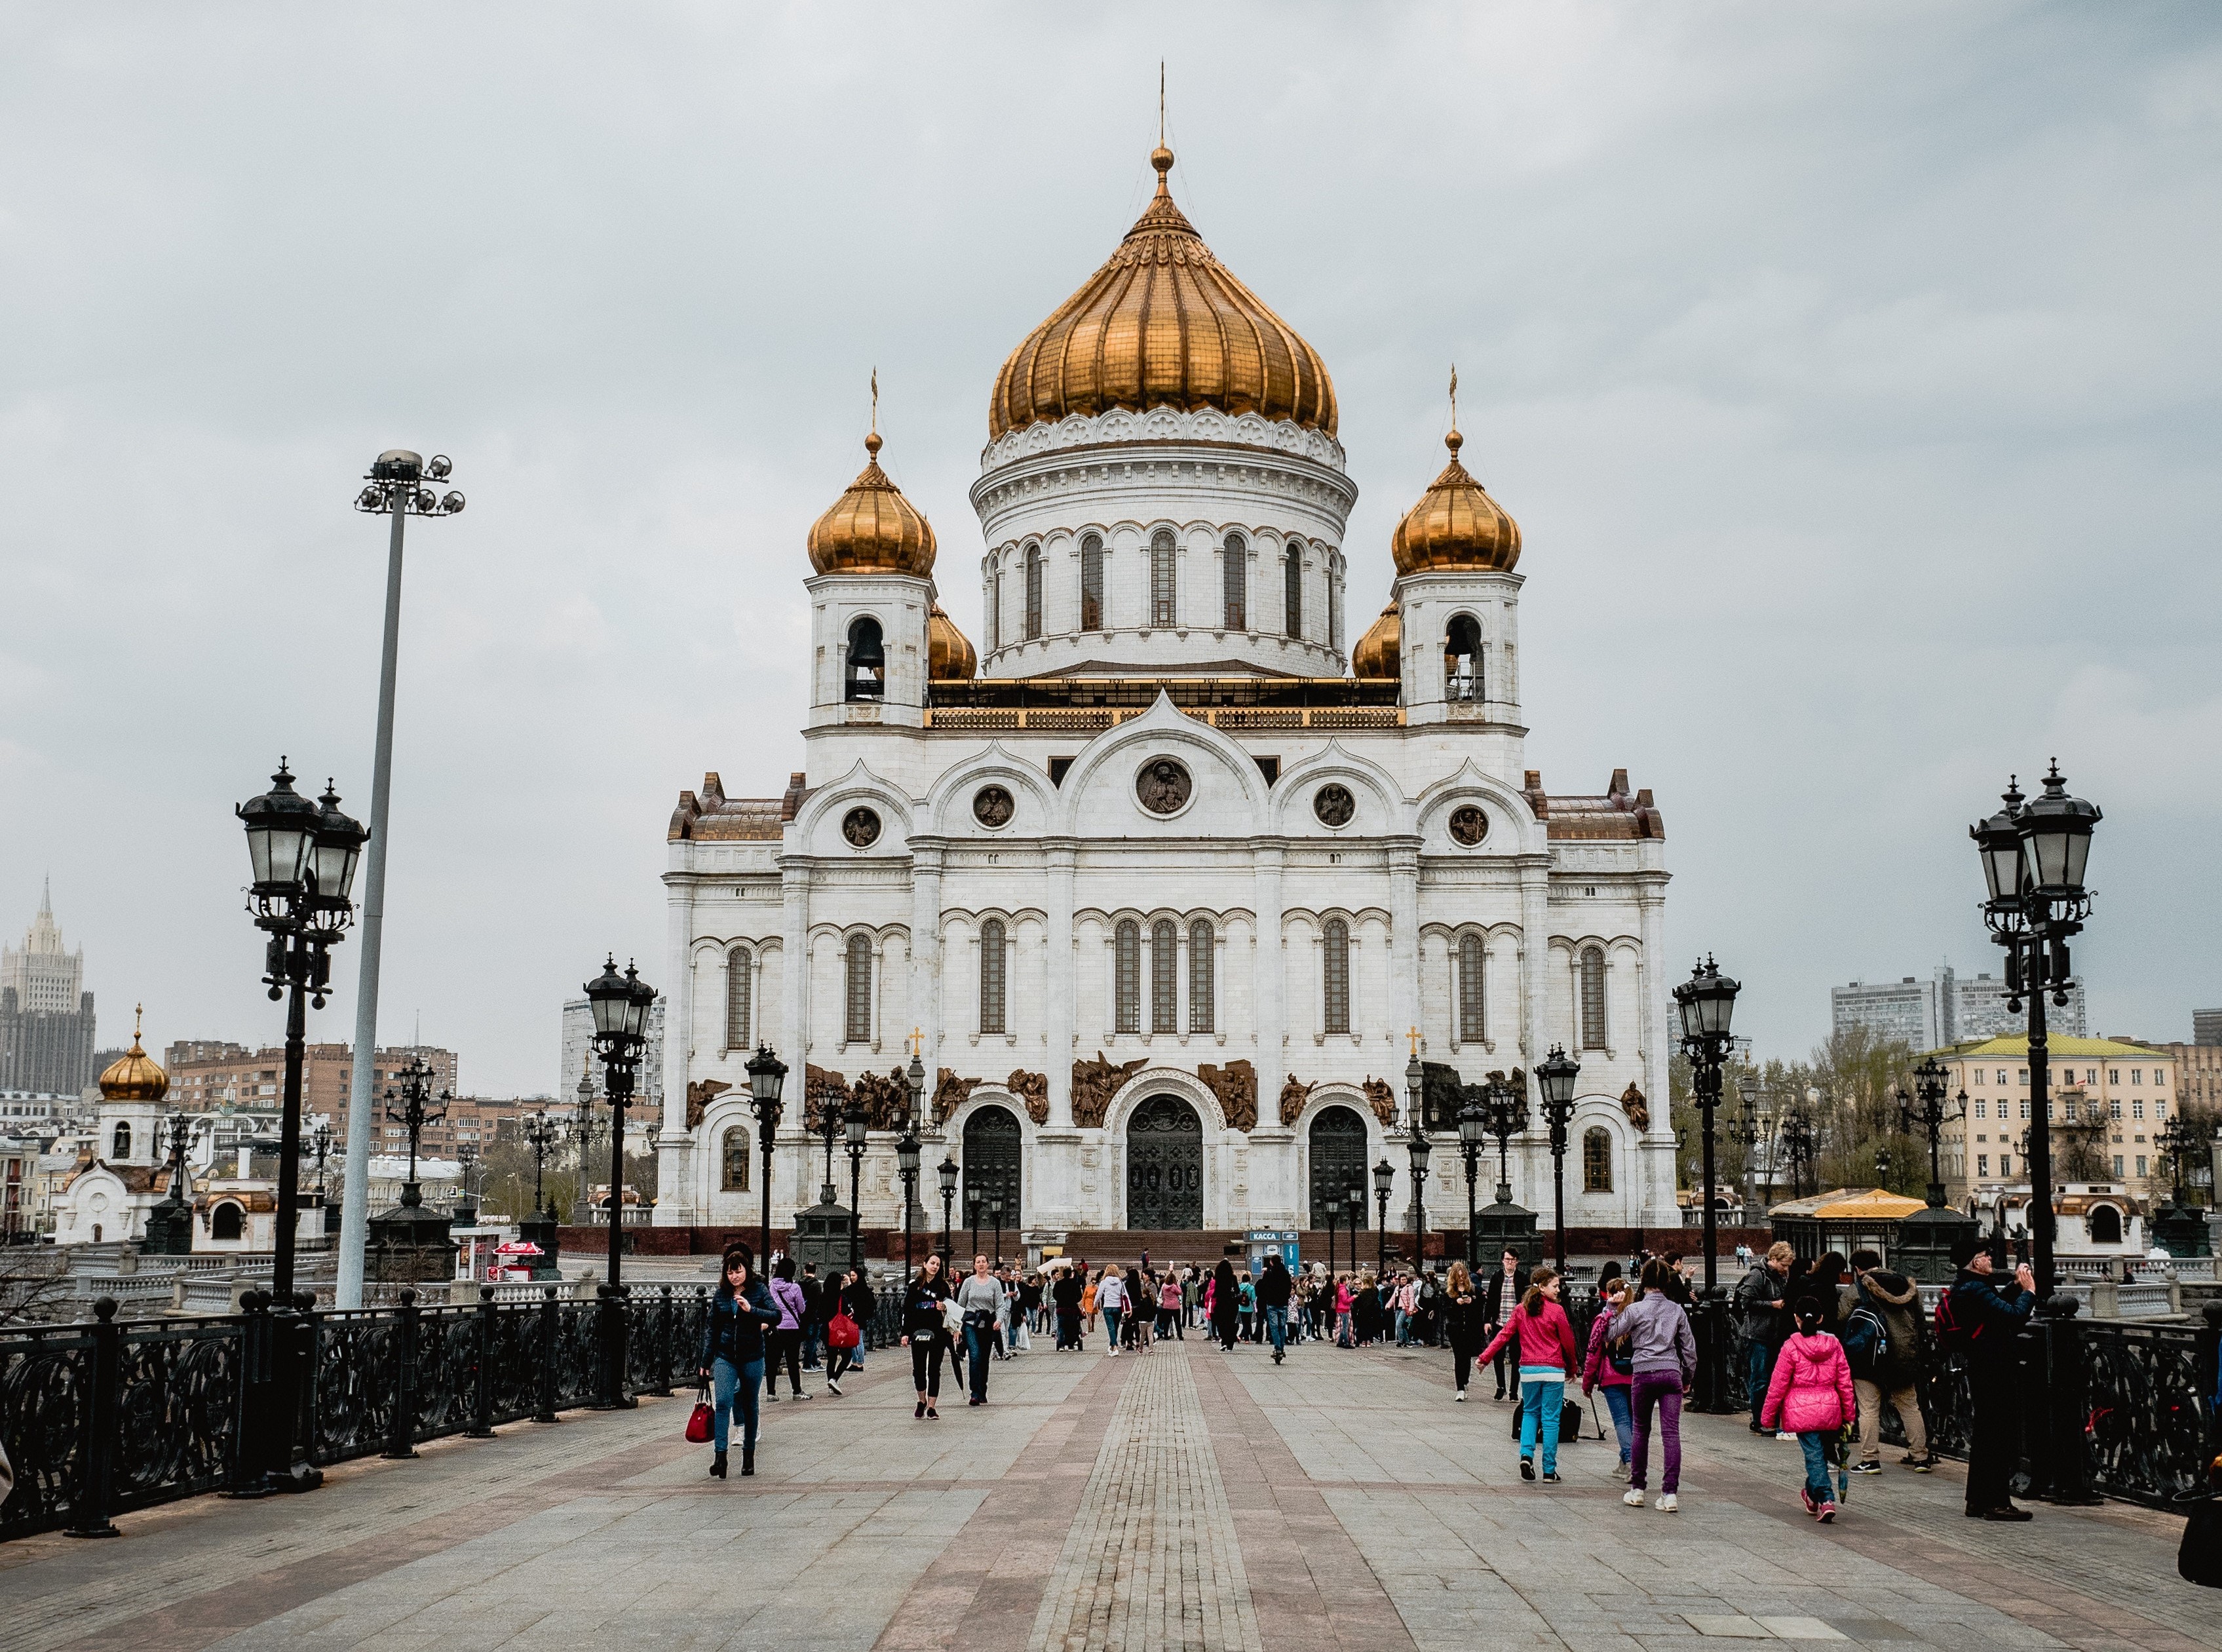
1852,372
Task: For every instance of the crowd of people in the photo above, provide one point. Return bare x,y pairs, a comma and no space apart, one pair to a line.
1825,1344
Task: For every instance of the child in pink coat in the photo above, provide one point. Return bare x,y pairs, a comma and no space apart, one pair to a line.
1812,1397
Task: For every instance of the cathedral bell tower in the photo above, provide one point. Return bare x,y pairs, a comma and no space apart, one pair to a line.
871,599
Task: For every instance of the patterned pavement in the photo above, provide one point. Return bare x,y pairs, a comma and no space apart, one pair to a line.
1180,1498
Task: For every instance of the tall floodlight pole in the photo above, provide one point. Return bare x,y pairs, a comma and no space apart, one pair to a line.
396,489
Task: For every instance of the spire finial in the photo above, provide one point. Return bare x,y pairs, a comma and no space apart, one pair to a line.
138,1015
872,441
1454,441
1161,157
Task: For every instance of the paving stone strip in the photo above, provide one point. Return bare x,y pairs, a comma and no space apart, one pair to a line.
1150,1560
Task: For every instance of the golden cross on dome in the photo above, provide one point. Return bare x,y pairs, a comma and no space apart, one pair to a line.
138,1015
876,401
1454,395
1161,102
1415,1040
918,1040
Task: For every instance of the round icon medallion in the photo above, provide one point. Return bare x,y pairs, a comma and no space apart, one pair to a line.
992,807
1335,805
1469,826
1163,786
861,827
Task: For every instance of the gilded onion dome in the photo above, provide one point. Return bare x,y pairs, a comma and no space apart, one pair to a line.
1376,651
1455,526
1162,323
872,528
949,655
135,1076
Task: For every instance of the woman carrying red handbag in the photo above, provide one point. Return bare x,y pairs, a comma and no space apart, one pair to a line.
843,1334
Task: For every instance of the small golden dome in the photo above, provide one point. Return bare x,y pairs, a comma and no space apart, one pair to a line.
1162,323
1455,526
135,1076
1376,654
872,528
948,656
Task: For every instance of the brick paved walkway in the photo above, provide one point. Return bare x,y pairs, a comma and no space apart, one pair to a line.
1181,1499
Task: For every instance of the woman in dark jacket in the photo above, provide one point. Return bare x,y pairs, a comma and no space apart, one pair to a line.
925,1333
1226,1303
1461,1309
741,1312
1365,1313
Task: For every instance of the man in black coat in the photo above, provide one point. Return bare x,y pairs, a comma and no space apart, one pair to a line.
1066,1294
813,1314
1499,1297
1987,1315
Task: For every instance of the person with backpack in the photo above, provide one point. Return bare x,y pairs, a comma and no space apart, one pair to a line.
1662,1357
1810,1395
1882,1342
1764,1315
1610,1365
1978,1321
1543,1345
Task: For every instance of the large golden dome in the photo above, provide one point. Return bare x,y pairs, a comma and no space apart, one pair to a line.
1376,651
872,528
135,1076
1455,526
1162,323
949,653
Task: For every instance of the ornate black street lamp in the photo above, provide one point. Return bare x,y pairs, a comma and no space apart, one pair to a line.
829,1131
1473,1136
1801,1146
1923,1110
541,1134
906,1151
1419,1150
1332,1207
995,1214
947,1172
1554,1076
1504,1115
320,1143
414,1106
972,1204
1706,1004
858,1125
304,858
767,1078
620,1006
2034,853
1384,1176
588,1130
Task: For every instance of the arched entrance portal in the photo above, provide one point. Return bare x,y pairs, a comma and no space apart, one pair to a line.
1164,1165
991,1165
1338,1165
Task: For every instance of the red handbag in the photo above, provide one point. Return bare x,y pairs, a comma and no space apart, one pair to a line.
699,1420
841,1331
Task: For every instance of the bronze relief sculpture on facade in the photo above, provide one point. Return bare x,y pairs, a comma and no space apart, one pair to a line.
1236,1086
1032,1089
1094,1083
1294,1095
1638,1110
1381,1099
949,1092
1163,786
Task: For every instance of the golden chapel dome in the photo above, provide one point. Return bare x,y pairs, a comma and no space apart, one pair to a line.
1375,656
1455,526
1162,323
872,528
948,656
135,1076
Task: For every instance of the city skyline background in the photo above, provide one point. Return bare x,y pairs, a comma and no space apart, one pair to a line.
1851,373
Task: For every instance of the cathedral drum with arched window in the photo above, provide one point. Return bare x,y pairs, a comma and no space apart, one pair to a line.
1338,1165
1164,1165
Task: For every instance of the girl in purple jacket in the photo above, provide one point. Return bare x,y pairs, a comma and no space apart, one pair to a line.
1813,1398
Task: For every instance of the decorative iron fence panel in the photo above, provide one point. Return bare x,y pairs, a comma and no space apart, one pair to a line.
351,1403
444,1385
578,1353
46,1394
179,1413
2148,1419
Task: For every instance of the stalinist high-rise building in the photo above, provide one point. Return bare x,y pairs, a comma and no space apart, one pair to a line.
1166,882
46,1015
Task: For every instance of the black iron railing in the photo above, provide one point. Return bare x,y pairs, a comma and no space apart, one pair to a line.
102,1418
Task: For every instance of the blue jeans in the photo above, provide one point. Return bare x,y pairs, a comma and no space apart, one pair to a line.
979,1344
1111,1318
1816,1448
733,1395
1403,1328
1276,1327
1758,1369
1623,1420
1542,1391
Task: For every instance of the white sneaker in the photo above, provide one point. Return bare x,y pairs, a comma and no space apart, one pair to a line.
1668,1505
1785,1435
1461,1396
1633,1500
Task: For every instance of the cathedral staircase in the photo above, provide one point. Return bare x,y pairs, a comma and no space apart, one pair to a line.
1098,1246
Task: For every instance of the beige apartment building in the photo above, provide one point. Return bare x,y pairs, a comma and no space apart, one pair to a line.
204,1074
2110,1099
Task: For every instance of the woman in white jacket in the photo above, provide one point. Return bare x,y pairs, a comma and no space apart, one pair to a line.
1111,1302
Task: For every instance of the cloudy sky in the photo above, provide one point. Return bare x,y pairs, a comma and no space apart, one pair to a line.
1852,371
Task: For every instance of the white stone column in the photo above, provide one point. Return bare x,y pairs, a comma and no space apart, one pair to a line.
673,1143
1062,1006
1534,963
793,1036
1403,939
1267,982
1654,975
925,952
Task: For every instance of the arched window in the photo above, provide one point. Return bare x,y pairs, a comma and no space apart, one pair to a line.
1474,1023
2106,1225
1334,603
1236,576
991,977
1462,658
994,605
1593,997
1033,591
1164,611
1164,977
1334,973
735,1158
1091,583
1200,982
868,661
1127,989
227,1221
1597,1159
859,1027
737,987
122,1139
1292,590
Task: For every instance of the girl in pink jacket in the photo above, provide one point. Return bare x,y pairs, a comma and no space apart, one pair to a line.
1812,1397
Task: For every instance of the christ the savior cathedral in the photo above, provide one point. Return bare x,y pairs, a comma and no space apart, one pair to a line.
1164,890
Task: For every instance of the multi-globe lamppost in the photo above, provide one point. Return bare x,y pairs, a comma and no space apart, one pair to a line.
947,1172
1706,1004
395,486
2034,852
1474,1137
413,1107
1385,1178
303,856
767,1079
540,1135
620,1005
1554,1076
908,1149
859,1126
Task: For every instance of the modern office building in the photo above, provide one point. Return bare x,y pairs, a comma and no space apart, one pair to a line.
1947,1008
2207,1026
